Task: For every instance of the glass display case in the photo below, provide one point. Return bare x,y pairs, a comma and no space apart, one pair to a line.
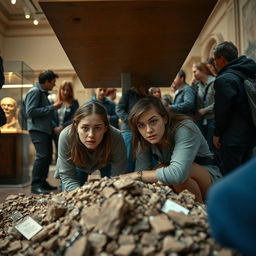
14,146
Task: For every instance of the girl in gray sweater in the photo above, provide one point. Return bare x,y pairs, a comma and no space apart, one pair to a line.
184,160
89,144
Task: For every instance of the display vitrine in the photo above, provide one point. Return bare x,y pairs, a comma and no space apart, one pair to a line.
14,146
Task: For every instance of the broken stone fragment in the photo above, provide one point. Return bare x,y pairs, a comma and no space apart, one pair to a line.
181,219
14,246
171,245
97,240
4,243
43,234
55,211
125,250
124,183
64,231
51,244
111,247
149,239
108,191
110,224
81,247
96,175
161,223
126,239
90,216
12,197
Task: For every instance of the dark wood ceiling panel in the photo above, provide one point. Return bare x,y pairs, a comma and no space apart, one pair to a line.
149,39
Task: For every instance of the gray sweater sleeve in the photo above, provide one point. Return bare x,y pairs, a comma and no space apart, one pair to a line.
143,160
65,168
119,163
187,143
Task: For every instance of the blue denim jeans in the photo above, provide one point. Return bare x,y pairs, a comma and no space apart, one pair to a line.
127,135
83,176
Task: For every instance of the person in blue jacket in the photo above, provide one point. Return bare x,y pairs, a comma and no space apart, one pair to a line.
101,97
232,209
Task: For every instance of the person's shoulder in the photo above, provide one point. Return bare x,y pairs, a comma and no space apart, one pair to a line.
187,124
115,133
109,102
34,91
66,131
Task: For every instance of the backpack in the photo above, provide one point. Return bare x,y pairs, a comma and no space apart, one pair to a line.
250,89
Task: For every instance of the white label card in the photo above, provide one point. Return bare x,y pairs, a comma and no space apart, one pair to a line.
28,227
170,205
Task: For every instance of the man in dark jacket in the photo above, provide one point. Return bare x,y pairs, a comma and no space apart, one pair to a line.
234,130
39,112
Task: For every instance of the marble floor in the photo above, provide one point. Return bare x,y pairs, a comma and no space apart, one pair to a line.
6,190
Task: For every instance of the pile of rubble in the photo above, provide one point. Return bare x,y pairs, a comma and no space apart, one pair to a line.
108,217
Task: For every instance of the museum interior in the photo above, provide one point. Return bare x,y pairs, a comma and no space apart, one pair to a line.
107,44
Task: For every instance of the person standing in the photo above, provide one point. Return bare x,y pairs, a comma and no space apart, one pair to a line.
39,113
101,97
234,133
185,96
155,91
205,100
63,116
123,108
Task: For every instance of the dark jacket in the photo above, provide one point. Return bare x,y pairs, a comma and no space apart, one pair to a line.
2,80
68,117
125,105
110,107
39,110
233,121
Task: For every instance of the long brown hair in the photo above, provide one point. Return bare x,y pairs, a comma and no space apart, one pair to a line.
143,105
79,153
71,95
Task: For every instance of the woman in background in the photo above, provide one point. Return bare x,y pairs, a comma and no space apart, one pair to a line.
205,100
155,91
63,116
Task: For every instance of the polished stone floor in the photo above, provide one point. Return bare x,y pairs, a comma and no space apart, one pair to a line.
6,190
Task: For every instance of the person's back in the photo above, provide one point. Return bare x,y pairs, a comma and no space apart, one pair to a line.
234,130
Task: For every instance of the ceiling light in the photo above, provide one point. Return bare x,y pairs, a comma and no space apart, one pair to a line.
13,1
26,13
36,22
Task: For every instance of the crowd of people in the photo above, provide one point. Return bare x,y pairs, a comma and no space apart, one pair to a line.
187,142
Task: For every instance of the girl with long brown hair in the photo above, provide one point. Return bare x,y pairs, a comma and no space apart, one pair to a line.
89,144
176,143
